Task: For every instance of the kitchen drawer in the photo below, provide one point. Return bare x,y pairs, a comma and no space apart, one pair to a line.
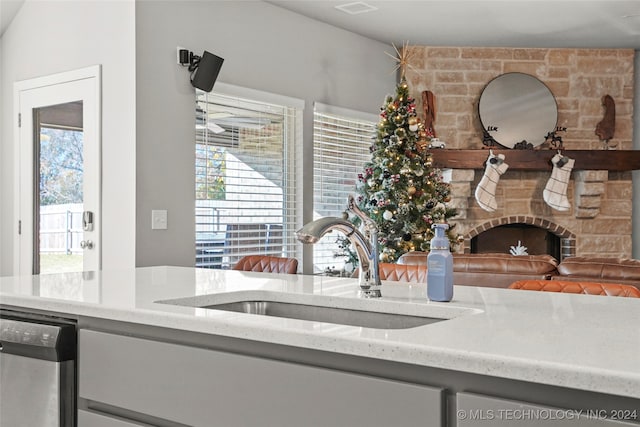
202,387
475,410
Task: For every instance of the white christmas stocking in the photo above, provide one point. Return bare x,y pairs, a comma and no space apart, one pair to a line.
555,192
486,190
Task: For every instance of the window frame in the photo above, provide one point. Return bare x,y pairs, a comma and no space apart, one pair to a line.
291,162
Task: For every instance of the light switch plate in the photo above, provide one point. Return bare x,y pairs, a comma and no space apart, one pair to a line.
158,219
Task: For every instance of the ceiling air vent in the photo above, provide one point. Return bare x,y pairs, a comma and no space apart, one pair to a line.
356,7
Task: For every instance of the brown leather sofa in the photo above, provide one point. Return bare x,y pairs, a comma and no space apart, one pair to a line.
601,270
495,270
499,270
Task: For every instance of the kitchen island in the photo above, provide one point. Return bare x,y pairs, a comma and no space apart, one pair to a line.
565,359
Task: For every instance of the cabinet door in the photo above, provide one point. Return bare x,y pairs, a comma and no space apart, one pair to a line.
200,387
91,419
474,410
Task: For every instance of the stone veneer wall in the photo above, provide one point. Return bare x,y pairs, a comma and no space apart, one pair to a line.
599,222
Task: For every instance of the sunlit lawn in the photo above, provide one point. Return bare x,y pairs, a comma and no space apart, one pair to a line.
60,263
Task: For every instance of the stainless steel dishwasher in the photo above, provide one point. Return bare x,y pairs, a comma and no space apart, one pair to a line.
37,370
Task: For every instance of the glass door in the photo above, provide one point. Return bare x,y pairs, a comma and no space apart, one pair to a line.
58,175
58,188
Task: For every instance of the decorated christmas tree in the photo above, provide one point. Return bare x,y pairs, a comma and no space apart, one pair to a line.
399,189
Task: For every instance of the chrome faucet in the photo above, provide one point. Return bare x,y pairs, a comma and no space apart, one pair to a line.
366,245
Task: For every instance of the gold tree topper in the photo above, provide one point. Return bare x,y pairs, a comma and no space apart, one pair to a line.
402,58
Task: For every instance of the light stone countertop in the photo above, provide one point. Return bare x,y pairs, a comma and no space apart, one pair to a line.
577,341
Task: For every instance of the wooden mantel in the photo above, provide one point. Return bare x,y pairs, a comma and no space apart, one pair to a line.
611,160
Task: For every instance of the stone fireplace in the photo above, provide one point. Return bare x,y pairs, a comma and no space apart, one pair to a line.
599,220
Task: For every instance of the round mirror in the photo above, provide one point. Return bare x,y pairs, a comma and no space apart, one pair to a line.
517,109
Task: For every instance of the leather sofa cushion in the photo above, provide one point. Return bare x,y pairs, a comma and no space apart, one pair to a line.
590,288
609,269
505,263
492,263
413,258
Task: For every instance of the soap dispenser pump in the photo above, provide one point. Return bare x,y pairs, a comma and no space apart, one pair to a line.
440,266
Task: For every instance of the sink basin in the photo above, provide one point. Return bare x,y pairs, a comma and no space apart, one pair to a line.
342,316
391,313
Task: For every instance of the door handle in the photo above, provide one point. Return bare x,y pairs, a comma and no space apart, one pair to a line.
87,221
86,244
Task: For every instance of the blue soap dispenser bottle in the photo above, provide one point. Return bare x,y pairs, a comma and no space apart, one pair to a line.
440,266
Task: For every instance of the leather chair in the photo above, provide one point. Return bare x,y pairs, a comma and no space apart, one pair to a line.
407,273
574,287
267,264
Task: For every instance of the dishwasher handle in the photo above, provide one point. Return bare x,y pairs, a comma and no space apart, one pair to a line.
44,341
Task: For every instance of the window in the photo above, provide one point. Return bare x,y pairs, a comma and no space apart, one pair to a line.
246,170
341,141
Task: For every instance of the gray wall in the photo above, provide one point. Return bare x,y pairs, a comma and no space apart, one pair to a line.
48,37
265,48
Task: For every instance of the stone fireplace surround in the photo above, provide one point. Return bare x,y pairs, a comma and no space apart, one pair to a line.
599,221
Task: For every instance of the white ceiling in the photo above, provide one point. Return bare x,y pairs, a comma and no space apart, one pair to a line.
507,23
8,9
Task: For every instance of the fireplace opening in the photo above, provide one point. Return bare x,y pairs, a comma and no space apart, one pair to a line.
538,241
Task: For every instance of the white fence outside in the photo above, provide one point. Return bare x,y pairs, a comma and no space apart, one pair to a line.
61,228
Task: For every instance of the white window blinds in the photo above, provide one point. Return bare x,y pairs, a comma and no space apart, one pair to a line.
341,141
245,173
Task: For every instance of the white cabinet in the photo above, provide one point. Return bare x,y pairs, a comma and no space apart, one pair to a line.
475,410
201,387
92,419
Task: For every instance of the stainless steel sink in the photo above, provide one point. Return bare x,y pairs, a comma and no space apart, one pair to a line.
399,310
341,316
